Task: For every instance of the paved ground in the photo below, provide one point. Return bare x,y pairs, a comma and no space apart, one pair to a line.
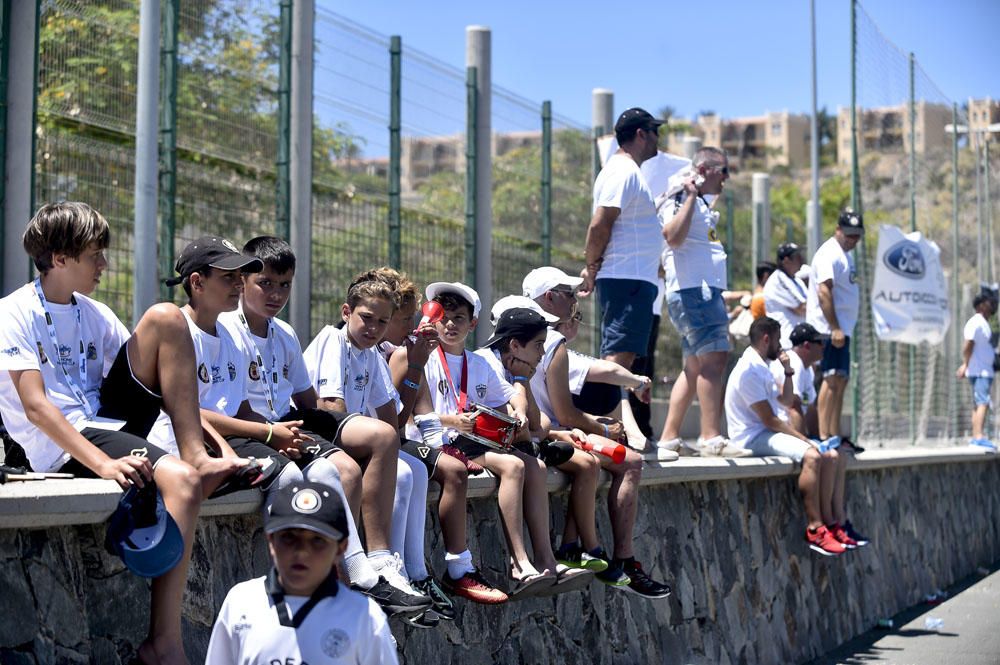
970,634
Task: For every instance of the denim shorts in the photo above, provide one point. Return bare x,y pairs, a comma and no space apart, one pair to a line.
981,390
836,361
699,315
626,315
770,444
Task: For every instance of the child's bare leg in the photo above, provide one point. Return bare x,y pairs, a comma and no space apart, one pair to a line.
180,486
510,471
452,507
581,516
536,495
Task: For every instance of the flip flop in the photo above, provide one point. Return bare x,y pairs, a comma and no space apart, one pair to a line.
530,586
258,474
569,579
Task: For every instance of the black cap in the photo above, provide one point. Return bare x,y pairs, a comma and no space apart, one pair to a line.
788,249
635,118
307,505
852,223
517,321
212,252
804,332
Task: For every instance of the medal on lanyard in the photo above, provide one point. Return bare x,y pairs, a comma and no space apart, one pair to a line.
80,395
461,396
268,381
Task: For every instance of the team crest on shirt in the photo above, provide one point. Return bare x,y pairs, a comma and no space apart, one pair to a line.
713,235
202,373
481,391
232,371
360,380
854,277
216,374
11,352
254,372
42,358
64,355
335,643
443,387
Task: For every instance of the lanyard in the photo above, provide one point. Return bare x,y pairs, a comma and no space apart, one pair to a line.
348,361
81,397
326,589
461,396
272,381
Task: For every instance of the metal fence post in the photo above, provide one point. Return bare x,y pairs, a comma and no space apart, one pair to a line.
955,349
546,183
300,164
989,212
395,152
912,350
144,287
730,235
283,203
4,59
478,54
601,121
471,139
856,205
168,142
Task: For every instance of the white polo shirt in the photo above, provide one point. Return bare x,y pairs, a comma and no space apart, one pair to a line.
832,262
338,369
977,330
782,294
633,250
346,629
25,345
751,381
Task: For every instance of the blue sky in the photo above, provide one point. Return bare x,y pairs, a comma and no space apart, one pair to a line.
733,57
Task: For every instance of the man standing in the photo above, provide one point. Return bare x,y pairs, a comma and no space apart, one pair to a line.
623,241
784,293
977,365
832,308
694,263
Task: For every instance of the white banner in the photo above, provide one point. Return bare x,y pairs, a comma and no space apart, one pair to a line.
909,293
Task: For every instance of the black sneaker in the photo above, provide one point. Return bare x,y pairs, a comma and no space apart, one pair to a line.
614,574
642,584
861,540
426,619
393,601
443,606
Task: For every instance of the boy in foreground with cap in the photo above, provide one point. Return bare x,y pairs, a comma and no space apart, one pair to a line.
79,394
298,612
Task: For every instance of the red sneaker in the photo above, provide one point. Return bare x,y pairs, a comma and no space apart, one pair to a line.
475,588
822,541
841,535
470,466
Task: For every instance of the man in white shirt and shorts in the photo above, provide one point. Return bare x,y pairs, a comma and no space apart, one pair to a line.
977,365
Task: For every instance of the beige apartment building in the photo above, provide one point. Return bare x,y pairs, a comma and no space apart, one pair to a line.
984,120
769,140
886,129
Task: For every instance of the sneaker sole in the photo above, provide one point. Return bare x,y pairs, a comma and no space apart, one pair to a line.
817,548
615,584
481,599
598,566
416,620
647,595
577,582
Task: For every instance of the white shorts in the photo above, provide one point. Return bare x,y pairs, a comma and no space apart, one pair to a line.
769,443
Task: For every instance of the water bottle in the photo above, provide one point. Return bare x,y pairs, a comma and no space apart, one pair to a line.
933,623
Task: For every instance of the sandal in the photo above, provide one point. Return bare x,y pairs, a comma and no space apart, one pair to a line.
530,585
258,474
569,579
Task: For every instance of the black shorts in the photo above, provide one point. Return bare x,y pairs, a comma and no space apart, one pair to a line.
123,397
426,454
324,426
247,448
598,399
114,444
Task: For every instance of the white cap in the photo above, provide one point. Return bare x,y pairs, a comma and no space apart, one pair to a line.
510,302
466,292
540,280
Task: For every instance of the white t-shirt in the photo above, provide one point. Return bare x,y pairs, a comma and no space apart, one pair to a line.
782,294
750,382
978,331
484,384
803,383
222,382
832,262
282,356
540,382
25,345
700,260
633,250
338,369
579,366
348,628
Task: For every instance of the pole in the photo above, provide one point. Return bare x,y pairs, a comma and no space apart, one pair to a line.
761,231
145,289
19,150
300,167
988,201
395,151
546,183
168,142
955,349
478,50
282,212
813,221
855,202
601,121
4,60
912,350
471,181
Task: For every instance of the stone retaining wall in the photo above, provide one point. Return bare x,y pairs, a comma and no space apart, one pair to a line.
727,534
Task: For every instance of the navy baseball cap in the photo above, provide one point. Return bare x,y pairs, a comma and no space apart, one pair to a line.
143,534
851,223
788,249
212,252
636,118
307,505
804,332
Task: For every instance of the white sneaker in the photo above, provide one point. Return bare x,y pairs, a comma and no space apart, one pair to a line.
719,446
391,568
663,451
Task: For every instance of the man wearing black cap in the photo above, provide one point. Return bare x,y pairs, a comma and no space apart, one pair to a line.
785,293
298,612
624,242
832,308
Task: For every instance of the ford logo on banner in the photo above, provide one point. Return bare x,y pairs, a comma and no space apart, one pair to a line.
905,258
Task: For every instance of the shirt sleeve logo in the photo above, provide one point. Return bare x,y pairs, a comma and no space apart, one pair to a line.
12,351
42,358
254,373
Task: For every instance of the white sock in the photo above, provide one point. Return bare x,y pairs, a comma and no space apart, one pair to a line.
379,558
360,570
459,564
400,506
430,428
416,519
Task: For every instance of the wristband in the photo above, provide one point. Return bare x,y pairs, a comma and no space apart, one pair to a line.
270,432
607,432
411,384
419,368
518,378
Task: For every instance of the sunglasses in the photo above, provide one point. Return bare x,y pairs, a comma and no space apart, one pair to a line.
569,293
